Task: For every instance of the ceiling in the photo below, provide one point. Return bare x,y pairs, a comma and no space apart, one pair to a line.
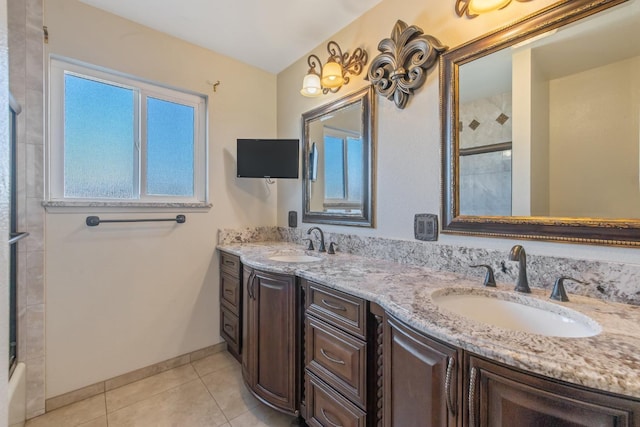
268,34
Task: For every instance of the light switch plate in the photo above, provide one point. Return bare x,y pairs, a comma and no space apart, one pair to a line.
425,227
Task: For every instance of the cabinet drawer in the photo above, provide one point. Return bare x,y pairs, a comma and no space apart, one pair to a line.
337,308
230,329
327,408
230,292
337,358
230,264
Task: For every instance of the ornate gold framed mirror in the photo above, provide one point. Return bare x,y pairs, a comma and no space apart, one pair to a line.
338,149
541,127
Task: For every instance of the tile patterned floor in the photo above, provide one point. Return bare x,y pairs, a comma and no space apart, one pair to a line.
206,393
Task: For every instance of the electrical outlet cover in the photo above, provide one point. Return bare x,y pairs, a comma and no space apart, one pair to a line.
293,219
425,227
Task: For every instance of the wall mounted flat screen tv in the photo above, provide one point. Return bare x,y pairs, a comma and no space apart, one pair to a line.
267,158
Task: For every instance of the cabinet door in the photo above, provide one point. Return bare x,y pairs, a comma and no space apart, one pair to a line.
420,379
272,339
247,320
501,396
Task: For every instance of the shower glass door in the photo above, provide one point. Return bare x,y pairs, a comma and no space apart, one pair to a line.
14,237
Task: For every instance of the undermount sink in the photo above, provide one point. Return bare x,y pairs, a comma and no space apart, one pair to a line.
516,312
295,258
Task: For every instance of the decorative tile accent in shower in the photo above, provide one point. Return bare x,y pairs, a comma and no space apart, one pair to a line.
493,113
502,118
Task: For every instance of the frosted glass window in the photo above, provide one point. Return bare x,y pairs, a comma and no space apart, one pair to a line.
117,138
344,168
99,139
334,168
355,167
170,144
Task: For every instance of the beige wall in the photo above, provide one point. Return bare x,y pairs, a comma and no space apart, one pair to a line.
588,177
121,297
408,141
540,141
522,132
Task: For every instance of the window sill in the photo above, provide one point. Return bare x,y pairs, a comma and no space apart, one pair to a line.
60,206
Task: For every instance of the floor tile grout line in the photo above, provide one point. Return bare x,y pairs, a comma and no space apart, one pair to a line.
156,394
214,398
150,396
106,414
204,375
215,401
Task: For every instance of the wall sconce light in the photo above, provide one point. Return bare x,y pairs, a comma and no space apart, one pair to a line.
473,8
335,73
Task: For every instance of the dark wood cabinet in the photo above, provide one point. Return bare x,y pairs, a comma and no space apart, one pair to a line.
328,408
337,308
246,321
422,381
339,373
270,357
502,396
230,302
339,360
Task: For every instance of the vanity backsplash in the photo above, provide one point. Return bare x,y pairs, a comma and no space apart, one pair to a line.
604,280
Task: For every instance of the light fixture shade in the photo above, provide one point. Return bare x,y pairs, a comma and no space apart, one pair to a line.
311,85
477,7
332,75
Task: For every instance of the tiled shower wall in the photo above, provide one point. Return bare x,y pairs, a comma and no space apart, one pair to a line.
26,70
485,179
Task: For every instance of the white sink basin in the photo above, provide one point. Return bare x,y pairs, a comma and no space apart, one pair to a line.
295,258
516,312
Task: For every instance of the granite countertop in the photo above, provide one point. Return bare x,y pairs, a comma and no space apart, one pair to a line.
609,361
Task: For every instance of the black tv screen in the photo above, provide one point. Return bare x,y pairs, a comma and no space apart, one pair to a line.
267,158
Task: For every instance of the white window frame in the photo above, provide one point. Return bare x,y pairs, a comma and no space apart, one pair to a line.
59,67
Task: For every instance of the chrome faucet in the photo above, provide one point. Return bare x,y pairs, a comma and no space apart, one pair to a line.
518,254
321,248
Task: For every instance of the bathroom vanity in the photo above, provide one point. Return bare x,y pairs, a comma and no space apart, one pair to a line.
352,341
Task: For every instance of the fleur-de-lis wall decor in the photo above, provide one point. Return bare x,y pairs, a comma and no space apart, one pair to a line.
402,66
